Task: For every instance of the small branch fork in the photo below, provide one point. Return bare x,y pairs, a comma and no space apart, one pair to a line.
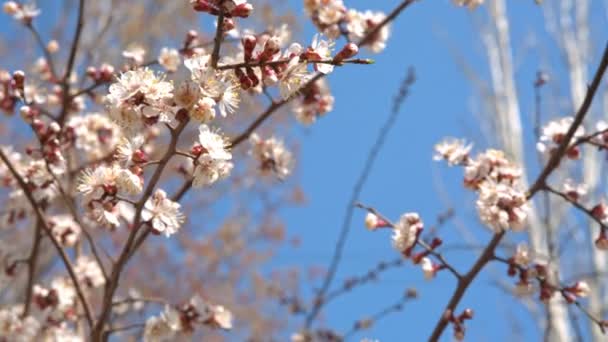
133,241
275,106
419,242
564,291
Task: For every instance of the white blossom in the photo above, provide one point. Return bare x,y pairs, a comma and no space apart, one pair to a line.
271,156
553,134
501,206
162,213
406,231
65,230
88,272
522,255
169,59
138,98
454,151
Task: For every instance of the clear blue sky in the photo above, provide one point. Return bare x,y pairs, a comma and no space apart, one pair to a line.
405,177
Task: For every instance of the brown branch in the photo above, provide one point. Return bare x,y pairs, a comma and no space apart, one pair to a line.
67,99
286,60
577,205
40,216
219,35
553,162
538,185
31,270
127,250
418,241
463,284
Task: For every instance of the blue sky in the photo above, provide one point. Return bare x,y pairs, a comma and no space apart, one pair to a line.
405,178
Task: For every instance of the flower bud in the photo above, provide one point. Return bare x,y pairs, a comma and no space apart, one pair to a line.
242,10
10,7
52,46
92,72
348,51
601,242
373,222
54,127
228,24
202,6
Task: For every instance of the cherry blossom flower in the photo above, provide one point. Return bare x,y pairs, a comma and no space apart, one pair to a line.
169,59
162,213
580,289
228,98
157,330
94,134
320,49
15,328
213,162
139,98
493,165
203,111
522,256
406,232
88,272
315,102
187,94
66,231
428,268
293,77
554,132
271,156
454,151
93,183
21,12
501,206
360,24
136,53
129,150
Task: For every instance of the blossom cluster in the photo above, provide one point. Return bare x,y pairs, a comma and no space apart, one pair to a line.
98,159
405,237
182,321
502,203
334,19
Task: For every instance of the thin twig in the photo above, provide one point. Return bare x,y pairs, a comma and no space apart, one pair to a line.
361,180
219,35
40,216
45,50
67,99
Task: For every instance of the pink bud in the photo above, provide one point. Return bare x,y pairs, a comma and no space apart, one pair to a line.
601,242
242,10
202,6
348,51
227,24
